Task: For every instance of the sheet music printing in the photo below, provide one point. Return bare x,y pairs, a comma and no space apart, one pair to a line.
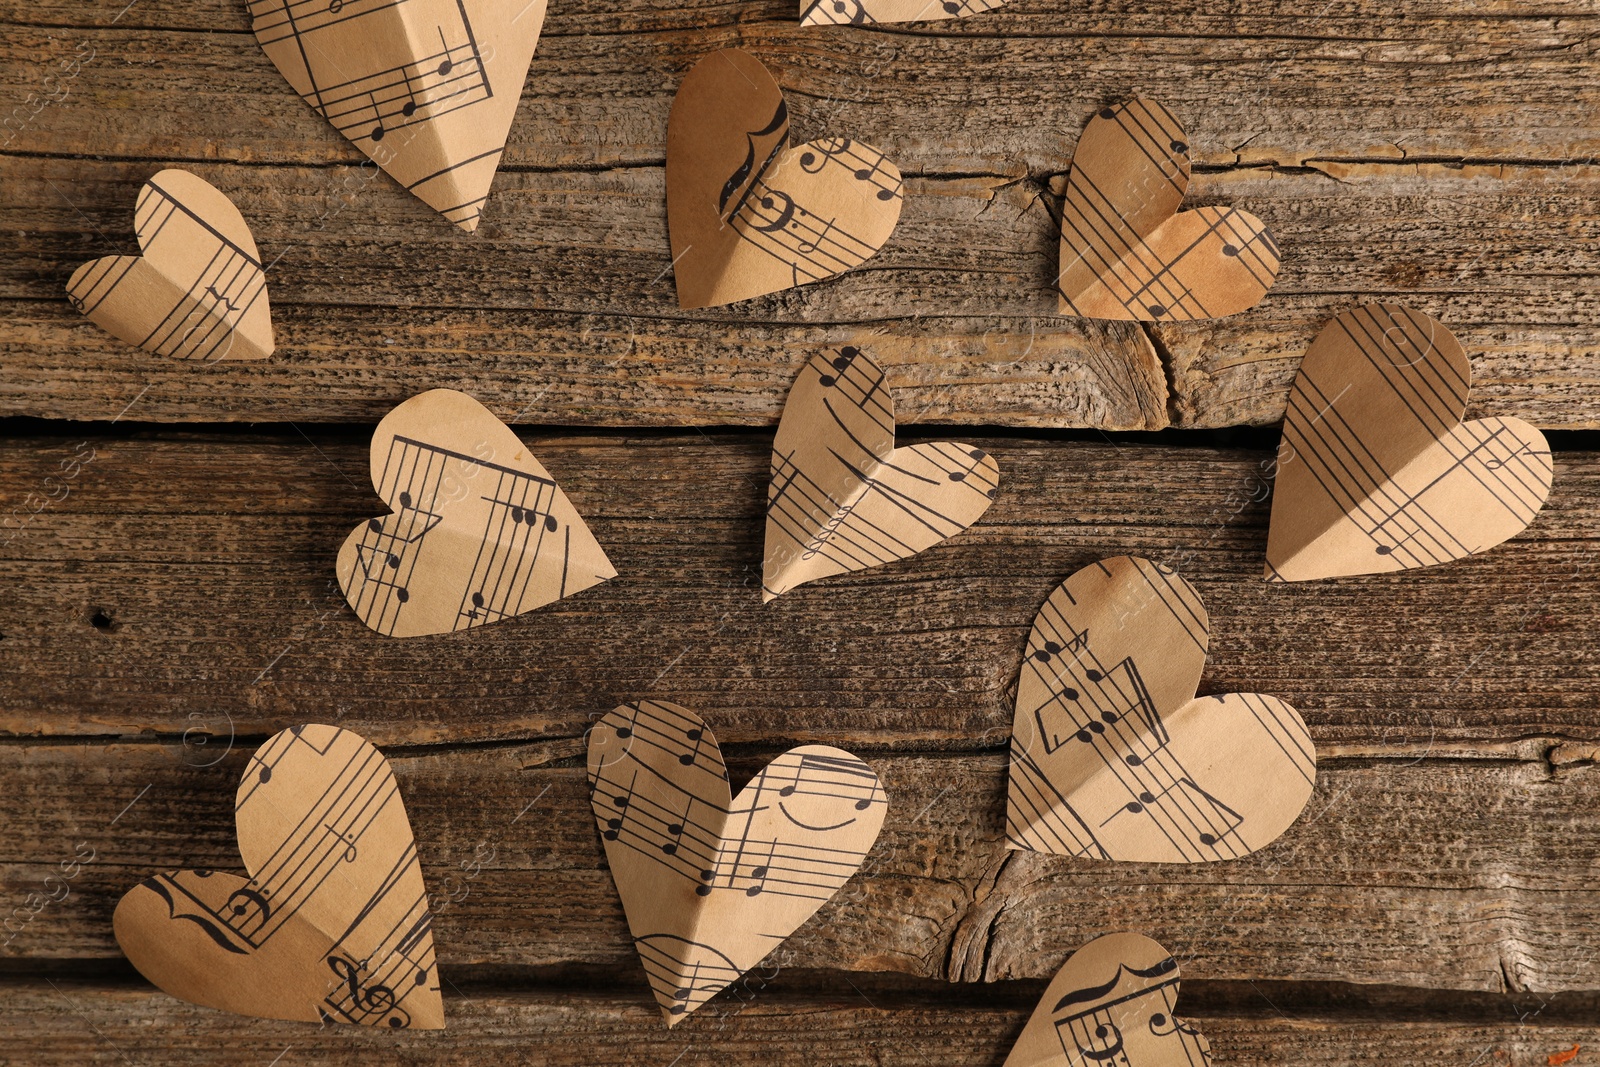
1112,755
711,883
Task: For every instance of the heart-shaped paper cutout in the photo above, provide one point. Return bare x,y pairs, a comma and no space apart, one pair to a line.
1111,1003
842,497
198,292
711,885
748,216
479,531
1127,252
1377,472
333,922
426,88
1113,756
870,12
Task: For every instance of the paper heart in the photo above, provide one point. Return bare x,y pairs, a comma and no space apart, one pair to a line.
842,497
747,216
426,88
1127,252
1112,1003
1377,472
480,531
711,885
333,922
199,290
1113,756
870,12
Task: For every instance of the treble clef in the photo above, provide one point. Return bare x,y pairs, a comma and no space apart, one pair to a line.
375,999
741,174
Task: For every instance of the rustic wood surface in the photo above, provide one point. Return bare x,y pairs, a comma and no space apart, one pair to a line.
1444,154
166,593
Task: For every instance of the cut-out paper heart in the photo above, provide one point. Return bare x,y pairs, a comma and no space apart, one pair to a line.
1377,472
1112,755
749,216
1111,1003
1127,252
333,922
426,88
842,497
480,531
712,883
198,292
869,12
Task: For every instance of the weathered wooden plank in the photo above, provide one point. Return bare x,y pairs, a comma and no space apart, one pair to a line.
209,562
82,1021
576,322
1405,891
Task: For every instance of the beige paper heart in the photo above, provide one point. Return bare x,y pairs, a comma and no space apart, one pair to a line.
333,922
198,292
1377,472
1127,252
748,216
871,12
480,531
426,88
711,883
1111,1003
842,497
1113,756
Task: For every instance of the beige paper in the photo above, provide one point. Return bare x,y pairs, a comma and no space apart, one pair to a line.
332,925
1377,472
426,88
1127,252
198,292
748,216
842,497
479,532
1112,1002
870,12
1112,755
710,884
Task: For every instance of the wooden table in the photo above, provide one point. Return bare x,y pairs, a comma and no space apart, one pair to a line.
175,605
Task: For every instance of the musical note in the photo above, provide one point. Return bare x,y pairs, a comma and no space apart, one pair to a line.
1127,252
1381,473
783,216
760,863
1112,1002
1107,729
842,496
435,120
332,922
199,290
472,540
871,12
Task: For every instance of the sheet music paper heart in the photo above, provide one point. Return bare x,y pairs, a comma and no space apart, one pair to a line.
747,215
1127,252
426,88
1112,1002
870,12
1377,472
479,532
842,497
198,291
712,883
1112,754
332,924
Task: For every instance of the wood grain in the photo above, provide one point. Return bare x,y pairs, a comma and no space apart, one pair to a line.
1405,893
83,1021
1454,172
210,562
